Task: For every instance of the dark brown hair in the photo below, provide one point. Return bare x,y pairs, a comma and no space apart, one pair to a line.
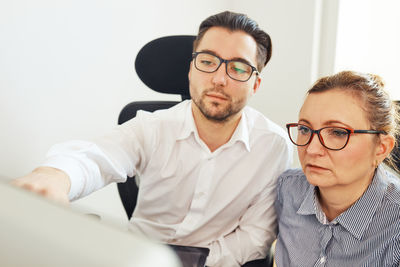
239,22
382,113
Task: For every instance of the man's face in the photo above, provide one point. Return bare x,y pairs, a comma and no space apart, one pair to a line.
217,96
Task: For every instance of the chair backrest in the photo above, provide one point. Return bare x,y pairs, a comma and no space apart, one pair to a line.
163,65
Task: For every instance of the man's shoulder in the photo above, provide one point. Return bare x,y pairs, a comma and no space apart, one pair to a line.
175,113
165,122
259,124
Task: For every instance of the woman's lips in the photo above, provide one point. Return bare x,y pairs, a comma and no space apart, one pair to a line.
313,167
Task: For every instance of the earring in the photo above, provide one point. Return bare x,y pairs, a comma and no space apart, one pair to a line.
376,164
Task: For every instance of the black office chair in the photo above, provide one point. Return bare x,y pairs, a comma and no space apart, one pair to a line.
163,65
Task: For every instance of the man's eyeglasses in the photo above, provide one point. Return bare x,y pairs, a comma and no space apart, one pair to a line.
237,70
333,138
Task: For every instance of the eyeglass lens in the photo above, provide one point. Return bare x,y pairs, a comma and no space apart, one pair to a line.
333,138
235,69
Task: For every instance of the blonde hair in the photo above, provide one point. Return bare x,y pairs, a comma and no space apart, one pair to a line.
382,113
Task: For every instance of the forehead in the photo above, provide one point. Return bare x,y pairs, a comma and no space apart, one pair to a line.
229,44
321,108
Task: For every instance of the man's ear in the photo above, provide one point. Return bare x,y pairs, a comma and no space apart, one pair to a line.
256,85
190,70
384,147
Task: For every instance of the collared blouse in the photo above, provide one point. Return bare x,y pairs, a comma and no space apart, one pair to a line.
366,234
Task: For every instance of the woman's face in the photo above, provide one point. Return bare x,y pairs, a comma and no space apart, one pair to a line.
355,163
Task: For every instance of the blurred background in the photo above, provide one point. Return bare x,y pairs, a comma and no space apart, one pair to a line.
67,67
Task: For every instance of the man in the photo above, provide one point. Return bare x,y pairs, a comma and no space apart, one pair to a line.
207,166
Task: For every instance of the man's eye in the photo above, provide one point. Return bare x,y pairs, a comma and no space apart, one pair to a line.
239,71
238,67
206,62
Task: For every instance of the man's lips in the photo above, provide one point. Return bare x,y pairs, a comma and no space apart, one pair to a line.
217,96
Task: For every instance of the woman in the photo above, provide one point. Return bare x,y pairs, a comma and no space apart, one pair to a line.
343,207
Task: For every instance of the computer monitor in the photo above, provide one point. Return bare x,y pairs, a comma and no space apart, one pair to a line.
35,231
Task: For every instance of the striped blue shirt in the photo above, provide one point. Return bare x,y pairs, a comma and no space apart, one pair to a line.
366,234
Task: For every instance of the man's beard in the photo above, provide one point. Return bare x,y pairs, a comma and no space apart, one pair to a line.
223,115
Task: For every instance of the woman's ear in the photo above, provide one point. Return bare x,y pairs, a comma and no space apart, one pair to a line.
385,146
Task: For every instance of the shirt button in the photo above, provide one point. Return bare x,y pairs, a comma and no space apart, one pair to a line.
199,195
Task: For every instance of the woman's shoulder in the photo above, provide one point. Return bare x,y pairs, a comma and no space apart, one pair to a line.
393,188
293,180
291,175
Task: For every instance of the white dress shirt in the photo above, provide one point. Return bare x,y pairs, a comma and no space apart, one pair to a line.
189,195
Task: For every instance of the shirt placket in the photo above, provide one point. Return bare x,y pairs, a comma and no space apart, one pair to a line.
200,197
326,238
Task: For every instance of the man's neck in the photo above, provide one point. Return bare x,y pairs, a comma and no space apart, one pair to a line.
215,134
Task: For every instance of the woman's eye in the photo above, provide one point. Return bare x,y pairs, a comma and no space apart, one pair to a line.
338,132
303,130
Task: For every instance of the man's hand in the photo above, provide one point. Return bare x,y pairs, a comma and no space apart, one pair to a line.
46,181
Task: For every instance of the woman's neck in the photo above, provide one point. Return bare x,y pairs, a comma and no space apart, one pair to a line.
337,199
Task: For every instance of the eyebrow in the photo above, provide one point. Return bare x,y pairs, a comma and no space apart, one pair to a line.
232,59
328,123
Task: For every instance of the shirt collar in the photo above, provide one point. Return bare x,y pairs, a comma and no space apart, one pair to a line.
189,126
307,206
369,202
351,219
240,134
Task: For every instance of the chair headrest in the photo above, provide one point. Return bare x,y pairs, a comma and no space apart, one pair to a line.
163,64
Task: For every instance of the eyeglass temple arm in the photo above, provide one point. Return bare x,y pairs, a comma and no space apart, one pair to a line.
369,131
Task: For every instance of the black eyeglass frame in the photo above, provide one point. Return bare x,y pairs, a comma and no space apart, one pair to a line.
321,140
226,61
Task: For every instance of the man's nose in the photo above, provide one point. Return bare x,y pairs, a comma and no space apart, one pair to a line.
219,76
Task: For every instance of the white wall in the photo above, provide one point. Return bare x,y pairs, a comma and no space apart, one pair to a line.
288,74
371,42
67,69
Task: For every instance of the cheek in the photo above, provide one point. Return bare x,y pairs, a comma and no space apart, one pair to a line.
352,161
195,81
343,160
301,152
240,92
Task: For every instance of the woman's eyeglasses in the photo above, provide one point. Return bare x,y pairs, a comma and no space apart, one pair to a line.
333,138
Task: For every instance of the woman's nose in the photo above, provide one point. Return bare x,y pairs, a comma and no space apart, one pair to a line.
315,146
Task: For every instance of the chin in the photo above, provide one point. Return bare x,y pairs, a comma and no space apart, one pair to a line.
319,180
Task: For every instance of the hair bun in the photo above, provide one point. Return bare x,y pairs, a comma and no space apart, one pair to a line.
377,80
